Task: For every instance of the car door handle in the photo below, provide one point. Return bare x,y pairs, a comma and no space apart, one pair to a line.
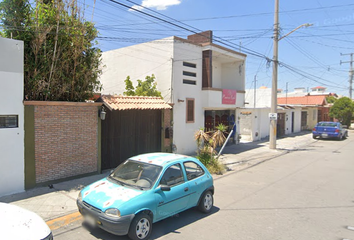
186,189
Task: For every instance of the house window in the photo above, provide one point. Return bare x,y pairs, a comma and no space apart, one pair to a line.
8,121
191,82
190,110
190,74
187,64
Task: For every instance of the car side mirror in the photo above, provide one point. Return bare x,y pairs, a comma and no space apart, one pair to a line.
163,188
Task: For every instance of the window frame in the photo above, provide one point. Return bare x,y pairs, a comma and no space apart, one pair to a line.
186,171
6,122
176,184
189,74
189,64
189,82
187,110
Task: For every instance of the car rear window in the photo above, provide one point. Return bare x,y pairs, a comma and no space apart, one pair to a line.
326,124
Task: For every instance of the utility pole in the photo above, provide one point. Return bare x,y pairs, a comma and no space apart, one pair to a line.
350,73
273,106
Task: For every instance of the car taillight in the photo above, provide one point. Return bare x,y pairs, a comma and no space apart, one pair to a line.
337,130
314,129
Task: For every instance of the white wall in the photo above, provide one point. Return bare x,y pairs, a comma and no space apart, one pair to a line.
11,139
255,126
262,97
184,132
138,61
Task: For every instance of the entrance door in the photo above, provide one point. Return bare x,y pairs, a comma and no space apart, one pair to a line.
281,125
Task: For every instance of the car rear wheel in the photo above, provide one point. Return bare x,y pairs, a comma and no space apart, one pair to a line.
141,227
206,202
313,136
340,137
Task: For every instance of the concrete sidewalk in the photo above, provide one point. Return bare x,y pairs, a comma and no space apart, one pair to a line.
57,205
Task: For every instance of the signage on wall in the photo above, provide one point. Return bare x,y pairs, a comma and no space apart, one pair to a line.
273,116
228,96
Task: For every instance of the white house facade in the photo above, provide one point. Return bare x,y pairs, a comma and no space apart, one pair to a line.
254,120
11,117
204,82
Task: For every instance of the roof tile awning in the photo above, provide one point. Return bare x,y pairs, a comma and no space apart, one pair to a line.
309,100
134,102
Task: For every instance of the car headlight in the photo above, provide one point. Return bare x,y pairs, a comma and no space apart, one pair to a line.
112,212
79,198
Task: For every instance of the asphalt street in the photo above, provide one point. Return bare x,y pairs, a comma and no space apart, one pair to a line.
305,194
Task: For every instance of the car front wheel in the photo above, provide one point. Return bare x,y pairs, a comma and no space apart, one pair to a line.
206,202
141,227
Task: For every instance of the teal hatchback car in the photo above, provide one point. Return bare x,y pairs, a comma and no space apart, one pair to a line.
145,189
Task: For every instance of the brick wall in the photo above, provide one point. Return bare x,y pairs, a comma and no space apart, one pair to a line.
66,141
203,37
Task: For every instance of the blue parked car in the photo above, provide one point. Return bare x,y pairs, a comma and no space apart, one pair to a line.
145,189
329,130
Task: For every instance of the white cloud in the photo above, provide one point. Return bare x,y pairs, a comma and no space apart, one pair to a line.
160,4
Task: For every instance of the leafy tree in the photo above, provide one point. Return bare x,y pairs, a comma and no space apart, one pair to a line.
331,99
144,88
61,62
342,110
129,87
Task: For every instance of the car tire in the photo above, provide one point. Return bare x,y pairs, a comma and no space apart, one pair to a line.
206,202
340,137
140,227
313,136
345,135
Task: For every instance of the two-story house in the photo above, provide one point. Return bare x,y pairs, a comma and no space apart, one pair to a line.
202,81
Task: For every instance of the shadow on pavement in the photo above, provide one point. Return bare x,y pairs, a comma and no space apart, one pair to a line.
66,186
161,228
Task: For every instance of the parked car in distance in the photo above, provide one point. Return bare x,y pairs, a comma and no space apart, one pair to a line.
18,223
329,130
145,189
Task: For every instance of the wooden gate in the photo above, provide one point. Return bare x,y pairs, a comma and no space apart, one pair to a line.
128,133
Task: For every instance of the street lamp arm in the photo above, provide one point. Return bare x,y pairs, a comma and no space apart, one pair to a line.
303,25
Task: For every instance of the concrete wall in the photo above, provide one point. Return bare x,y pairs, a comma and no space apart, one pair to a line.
262,97
312,114
63,141
138,61
11,139
254,122
184,132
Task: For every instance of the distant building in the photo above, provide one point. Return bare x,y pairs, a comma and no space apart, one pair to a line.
202,81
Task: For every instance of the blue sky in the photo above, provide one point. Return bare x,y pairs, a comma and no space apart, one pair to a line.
311,56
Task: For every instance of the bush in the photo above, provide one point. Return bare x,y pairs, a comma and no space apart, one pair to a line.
210,162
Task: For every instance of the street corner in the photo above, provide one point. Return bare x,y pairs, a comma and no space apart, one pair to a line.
59,222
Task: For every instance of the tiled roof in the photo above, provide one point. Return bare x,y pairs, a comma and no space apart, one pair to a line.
311,100
319,87
134,102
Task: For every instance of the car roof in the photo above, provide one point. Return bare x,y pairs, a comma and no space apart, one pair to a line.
160,159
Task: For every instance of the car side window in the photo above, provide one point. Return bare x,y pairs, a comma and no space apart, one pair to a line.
173,176
193,170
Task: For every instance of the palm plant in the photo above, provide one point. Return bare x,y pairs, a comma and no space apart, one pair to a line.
201,137
218,136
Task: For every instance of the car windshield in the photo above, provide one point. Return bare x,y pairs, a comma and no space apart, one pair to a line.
327,124
136,174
